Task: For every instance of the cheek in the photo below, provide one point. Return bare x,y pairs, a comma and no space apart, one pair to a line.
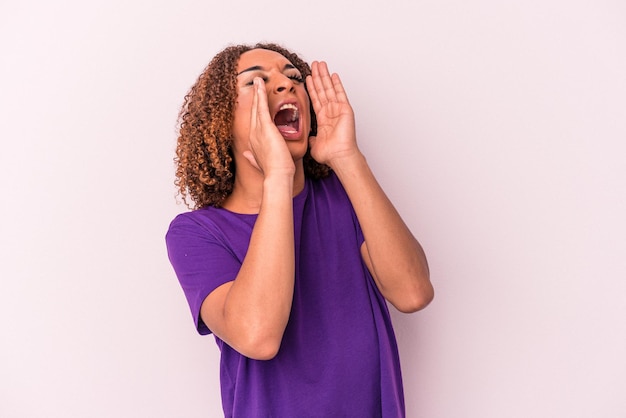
243,100
243,103
241,117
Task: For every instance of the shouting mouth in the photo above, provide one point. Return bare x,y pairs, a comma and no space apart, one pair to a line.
287,120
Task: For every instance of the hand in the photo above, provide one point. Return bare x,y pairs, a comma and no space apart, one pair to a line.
336,136
268,150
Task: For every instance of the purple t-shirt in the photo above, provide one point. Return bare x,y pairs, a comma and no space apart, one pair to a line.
338,356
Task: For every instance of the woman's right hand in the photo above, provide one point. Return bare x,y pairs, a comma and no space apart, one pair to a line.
268,151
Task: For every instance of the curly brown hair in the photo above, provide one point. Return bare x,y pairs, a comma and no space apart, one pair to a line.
205,168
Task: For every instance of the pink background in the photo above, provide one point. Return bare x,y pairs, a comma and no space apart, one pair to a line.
497,127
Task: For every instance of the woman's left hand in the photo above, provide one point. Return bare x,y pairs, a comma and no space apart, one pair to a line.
336,136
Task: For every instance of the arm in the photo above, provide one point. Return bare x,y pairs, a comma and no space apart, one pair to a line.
393,256
250,313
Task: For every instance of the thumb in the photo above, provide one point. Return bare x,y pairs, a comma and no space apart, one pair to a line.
250,157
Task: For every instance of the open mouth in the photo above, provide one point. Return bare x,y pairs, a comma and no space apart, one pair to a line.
287,120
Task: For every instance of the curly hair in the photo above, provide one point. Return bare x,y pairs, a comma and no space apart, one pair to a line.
205,168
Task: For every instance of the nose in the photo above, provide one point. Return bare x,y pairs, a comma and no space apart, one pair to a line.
283,83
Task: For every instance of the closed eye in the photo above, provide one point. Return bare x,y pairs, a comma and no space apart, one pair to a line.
251,82
294,77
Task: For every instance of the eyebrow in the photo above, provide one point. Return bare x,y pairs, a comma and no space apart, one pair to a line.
259,68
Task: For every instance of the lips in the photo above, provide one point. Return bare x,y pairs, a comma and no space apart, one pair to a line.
287,120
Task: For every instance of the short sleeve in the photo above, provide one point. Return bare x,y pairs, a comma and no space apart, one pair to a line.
202,261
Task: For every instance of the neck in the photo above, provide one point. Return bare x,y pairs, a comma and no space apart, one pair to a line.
248,189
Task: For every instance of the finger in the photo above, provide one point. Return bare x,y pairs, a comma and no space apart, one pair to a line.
254,107
340,92
318,82
326,83
315,88
263,111
310,87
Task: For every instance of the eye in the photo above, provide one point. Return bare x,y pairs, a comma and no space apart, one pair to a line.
296,77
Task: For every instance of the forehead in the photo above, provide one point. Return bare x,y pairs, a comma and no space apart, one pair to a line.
261,57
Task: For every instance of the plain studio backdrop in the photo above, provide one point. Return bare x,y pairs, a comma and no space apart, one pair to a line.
498,128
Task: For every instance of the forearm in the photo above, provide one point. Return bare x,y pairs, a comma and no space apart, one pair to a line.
395,258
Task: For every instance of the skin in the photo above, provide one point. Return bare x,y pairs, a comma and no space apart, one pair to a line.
251,312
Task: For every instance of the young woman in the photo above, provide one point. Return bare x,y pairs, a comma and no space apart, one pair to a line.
292,249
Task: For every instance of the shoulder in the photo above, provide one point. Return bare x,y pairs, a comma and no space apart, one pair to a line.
329,184
328,201
210,225
209,218
329,188
196,219
189,227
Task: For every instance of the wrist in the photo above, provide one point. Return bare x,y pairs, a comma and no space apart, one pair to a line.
278,180
347,162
